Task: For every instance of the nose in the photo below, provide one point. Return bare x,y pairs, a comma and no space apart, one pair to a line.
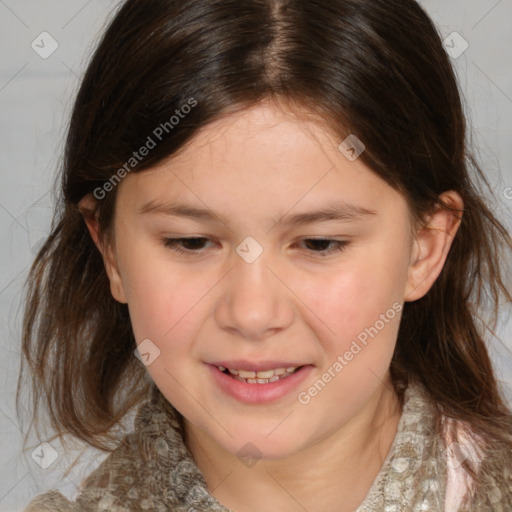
254,302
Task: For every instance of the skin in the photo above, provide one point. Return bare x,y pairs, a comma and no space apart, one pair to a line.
291,303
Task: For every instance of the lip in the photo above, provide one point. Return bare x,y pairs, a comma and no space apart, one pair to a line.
240,364
258,393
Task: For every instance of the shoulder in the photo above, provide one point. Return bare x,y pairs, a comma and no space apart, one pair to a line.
131,472
52,501
494,489
493,463
100,488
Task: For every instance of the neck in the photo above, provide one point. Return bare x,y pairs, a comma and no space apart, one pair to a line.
334,474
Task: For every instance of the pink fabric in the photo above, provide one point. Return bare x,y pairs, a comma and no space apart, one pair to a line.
458,481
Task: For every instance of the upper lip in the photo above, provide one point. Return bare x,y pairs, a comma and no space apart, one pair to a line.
241,364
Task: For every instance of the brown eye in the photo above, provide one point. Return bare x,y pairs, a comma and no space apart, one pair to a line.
321,245
185,245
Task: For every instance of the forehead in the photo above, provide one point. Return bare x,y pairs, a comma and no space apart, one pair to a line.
261,158
264,132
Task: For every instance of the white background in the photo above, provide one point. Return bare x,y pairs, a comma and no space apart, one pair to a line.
35,99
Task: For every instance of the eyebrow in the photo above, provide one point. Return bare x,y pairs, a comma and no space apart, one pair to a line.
341,212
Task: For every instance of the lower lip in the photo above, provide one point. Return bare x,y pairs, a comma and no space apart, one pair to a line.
259,393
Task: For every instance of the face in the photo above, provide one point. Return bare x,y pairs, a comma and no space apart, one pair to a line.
265,281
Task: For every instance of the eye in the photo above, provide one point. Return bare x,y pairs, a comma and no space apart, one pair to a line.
185,245
320,245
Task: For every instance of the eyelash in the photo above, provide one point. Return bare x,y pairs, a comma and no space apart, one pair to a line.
173,244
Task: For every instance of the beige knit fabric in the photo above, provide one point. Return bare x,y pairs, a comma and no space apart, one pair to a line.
152,470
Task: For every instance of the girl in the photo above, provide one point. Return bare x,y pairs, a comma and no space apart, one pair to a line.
271,247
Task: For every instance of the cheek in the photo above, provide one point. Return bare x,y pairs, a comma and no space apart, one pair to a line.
362,309
161,298
165,311
165,308
355,295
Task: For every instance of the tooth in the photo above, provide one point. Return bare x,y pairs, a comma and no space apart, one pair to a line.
274,378
251,381
262,381
265,374
246,374
221,368
233,372
279,371
291,369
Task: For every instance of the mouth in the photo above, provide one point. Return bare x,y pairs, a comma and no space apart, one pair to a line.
261,376
262,383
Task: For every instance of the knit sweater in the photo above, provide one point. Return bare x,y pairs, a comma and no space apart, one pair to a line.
153,470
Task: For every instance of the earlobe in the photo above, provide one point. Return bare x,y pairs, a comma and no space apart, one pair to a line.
116,283
88,208
431,247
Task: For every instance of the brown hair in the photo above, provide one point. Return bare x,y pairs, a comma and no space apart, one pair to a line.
374,68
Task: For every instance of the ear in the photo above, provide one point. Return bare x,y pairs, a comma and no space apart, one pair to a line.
431,246
88,208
